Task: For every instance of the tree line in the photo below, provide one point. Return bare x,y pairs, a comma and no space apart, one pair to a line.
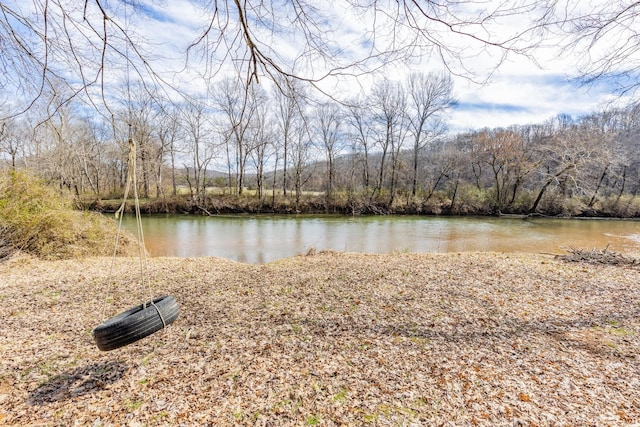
278,149
388,150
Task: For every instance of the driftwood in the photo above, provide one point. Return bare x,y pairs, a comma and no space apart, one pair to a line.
596,256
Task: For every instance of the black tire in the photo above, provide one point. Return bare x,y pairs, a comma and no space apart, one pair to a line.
136,323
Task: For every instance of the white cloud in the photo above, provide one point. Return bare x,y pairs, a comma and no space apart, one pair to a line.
527,96
516,99
519,93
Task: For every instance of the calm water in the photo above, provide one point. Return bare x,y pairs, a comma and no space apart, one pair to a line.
261,239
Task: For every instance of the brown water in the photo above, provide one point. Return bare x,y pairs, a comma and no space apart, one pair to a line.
261,239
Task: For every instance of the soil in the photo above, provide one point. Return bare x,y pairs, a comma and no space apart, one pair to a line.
329,339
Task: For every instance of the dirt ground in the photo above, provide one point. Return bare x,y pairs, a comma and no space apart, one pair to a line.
329,339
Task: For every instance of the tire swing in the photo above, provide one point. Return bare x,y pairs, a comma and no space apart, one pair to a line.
152,315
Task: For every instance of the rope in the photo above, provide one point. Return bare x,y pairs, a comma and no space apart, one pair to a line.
164,324
131,179
118,216
141,246
110,276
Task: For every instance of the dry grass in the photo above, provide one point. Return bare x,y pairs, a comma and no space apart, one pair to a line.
36,219
330,339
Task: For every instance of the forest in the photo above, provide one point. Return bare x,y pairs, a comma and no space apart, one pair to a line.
234,107
280,150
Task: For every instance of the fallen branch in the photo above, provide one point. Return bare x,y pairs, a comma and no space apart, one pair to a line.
595,256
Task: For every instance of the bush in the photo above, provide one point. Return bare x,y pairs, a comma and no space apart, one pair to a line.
523,202
627,206
36,219
472,201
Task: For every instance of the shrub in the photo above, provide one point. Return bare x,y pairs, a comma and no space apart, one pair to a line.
471,200
36,219
626,206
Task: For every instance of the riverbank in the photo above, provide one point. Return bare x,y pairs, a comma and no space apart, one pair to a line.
326,339
219,204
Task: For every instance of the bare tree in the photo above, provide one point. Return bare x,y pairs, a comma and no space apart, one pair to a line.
452,31
626,148
565,154
290,104
605,166
328,123
63,167
389,107
9,142
260,134
87,152
300,156
81,45
55,51
430,95
238,104
198,135
139,116
448,161
504,152
440,163
168,131
361,134
603,36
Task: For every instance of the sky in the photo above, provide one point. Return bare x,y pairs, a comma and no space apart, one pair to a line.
520,91
524,97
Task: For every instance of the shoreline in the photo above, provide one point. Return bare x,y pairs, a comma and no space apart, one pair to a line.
326,339
231,205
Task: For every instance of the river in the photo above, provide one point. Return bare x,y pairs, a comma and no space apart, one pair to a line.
264,238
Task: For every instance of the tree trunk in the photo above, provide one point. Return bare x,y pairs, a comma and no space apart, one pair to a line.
595,193
534,207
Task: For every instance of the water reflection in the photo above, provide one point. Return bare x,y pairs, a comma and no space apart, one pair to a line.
261,239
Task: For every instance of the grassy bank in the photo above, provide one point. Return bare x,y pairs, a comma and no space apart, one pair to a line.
330,339
36,219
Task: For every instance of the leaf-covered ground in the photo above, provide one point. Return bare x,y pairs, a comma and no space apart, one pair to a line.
331,340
